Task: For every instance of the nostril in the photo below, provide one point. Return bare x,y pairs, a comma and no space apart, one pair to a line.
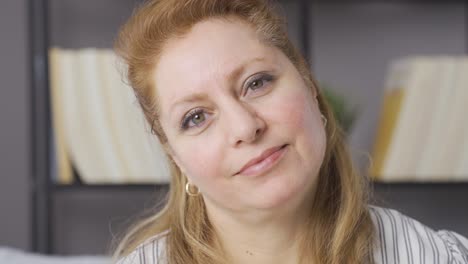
258,132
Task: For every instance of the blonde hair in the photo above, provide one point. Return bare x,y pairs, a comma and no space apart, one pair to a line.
342,230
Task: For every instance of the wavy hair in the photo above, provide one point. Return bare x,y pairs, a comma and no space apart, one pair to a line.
342,230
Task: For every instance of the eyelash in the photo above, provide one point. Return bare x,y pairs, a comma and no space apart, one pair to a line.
264,77
189,116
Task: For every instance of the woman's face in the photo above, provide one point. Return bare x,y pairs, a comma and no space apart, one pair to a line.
225,98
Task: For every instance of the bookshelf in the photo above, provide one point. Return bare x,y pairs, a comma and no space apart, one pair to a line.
50,199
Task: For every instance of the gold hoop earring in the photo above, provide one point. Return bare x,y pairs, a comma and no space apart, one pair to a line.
324,120
189,189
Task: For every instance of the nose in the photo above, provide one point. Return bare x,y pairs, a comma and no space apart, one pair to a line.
244,124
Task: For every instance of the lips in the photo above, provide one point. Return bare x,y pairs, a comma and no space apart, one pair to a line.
265,154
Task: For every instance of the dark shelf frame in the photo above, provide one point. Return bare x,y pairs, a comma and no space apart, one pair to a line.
149,187
451,184
104,187
40,127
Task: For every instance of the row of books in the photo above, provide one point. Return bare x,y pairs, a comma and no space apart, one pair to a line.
423,129
98,126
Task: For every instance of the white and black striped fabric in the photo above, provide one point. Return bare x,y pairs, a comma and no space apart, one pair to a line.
399,239
150,252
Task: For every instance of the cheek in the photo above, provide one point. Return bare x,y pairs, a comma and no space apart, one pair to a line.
201,166
297,113
299,117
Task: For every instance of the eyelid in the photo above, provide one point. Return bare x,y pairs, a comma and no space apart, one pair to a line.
187,118
264,76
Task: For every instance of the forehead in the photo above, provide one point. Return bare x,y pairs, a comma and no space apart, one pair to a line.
206,55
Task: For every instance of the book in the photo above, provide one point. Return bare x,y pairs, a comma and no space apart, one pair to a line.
439,151
421,128
460,122
391,104
104,133
62,162
140,151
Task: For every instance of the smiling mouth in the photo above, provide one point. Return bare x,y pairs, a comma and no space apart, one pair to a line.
263,165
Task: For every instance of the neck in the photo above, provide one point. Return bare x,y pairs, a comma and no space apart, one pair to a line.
268,243
259,236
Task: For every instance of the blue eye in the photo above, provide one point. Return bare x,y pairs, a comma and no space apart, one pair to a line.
258,81
196,116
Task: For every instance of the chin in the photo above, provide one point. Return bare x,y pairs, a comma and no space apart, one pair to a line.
282,193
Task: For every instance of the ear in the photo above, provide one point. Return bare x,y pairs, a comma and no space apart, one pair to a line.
314,94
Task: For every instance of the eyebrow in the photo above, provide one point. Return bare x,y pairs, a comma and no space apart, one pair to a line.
231,76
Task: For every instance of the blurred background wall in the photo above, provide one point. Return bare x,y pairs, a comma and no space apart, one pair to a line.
15,174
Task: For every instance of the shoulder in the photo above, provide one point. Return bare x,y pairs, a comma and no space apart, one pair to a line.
401,239
151,251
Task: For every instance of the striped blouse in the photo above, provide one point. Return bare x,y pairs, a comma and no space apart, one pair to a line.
399,239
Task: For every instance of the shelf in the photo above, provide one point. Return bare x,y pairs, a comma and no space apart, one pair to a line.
463,184
382,186
79,187
387,1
